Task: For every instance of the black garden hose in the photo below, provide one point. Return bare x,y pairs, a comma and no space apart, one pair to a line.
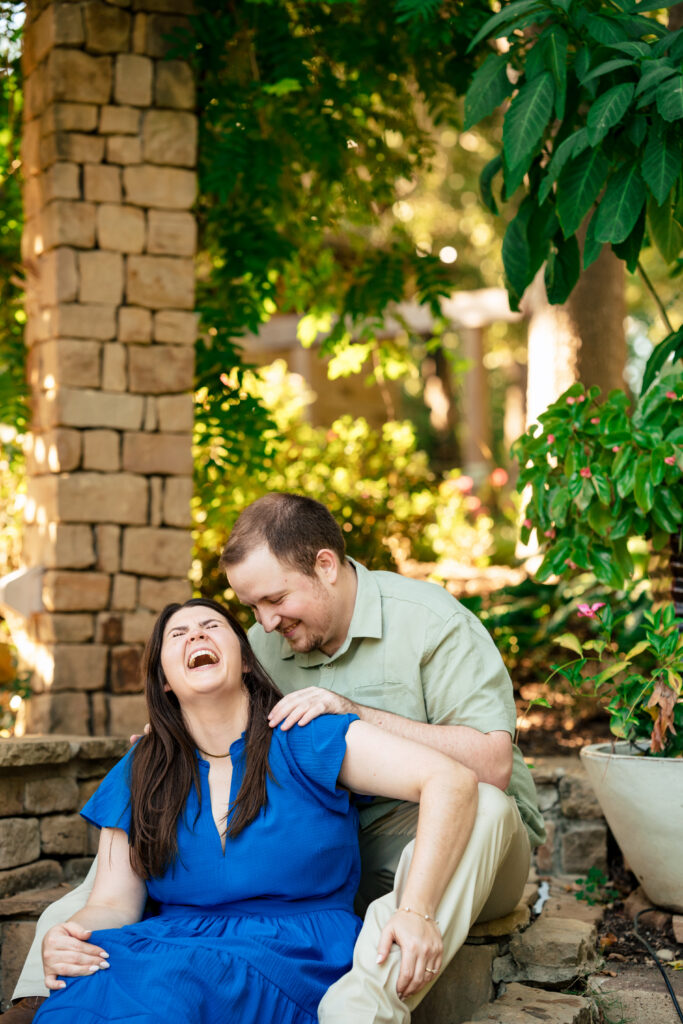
658,962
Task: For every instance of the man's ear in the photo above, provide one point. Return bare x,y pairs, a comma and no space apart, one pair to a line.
327,563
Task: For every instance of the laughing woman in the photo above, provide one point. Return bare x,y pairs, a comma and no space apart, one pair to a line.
247,839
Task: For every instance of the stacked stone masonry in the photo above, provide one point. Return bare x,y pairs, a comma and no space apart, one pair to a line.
109,155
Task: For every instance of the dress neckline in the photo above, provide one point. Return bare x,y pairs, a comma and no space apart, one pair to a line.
236,748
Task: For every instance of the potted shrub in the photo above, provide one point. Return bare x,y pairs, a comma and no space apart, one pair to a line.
638,780
599,473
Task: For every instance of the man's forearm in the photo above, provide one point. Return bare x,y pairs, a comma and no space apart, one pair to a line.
484,753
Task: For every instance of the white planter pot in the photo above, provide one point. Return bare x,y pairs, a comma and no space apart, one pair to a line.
642,800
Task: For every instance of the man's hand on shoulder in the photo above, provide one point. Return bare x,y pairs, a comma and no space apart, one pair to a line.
303,706
145,732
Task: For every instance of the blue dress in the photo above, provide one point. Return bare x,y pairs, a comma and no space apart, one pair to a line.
254,935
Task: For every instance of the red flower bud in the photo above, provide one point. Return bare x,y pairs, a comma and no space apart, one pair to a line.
670,460
671,394
585,472
527,523
595,419
551,438
570,400
550,533
616,448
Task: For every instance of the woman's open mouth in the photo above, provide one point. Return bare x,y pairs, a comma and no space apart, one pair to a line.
202,657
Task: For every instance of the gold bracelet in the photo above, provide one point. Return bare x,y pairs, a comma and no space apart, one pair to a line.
425,917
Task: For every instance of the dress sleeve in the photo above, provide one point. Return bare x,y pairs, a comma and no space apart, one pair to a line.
109,806
315,752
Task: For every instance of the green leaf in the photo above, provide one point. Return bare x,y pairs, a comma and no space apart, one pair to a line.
486,182
663,515
562,270
516,256
602,488
654,72
559,504
633,49
643,489
623,557
637,649
610,672
605,30
608,110
510,12
578,187
591,247
629,249
603,69
621,205
555,45
670,99
661,163
527,118
571,642
637,129
572,146
489,88
603,567
672,346
665,230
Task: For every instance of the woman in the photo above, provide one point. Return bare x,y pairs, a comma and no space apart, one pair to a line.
249,845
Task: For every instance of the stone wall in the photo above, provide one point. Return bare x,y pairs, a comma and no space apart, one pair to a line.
575,825
109,151
45,845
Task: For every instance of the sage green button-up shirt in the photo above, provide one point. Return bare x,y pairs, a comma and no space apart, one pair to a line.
414,650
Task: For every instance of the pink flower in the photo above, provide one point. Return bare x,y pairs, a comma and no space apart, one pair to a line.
527,523
615,448
550,533
581,398
499,477
472,503
595,419
463,483
671,394
570,565
570,400
670,460
551,438
588,611
585,471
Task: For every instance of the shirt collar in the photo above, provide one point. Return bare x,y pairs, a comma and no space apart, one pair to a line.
366,621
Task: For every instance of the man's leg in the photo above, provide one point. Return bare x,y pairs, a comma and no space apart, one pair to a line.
489,880
31,981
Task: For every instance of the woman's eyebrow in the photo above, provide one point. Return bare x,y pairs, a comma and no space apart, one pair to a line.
182,628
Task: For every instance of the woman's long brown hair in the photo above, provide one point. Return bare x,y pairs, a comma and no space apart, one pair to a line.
165,764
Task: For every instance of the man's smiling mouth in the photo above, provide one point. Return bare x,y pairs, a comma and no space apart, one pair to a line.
202,656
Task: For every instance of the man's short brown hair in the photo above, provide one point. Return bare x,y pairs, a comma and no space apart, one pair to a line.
293,527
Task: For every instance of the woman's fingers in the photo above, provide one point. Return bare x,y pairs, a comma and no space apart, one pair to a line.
66,951
421,951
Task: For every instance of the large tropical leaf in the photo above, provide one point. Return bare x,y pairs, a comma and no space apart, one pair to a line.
527,118
654,72
608,110
661,163
667,234
562,270
486,182
629,249
572,146
670,99
621,205
490,86
578,187
609,65
555,47
510,12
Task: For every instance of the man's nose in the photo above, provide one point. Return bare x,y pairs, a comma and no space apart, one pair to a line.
270,620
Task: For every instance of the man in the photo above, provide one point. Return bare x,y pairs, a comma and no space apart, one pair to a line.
408,657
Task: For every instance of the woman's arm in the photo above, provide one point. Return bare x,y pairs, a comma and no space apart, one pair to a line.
117,898
380,763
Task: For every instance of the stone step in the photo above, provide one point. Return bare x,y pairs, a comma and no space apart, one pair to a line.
637,994
522,1004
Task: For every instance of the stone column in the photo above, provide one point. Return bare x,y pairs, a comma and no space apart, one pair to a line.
109,154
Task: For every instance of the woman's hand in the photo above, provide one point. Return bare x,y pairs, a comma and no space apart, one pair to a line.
421,950
66,951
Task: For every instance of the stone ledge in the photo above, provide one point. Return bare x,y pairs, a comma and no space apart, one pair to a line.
31,750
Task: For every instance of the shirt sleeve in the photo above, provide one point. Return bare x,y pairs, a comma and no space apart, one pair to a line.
315,753
464,679
109,806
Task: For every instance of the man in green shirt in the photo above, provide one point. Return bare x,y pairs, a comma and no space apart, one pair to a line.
406,656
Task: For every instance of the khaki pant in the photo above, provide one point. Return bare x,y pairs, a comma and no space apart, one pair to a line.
487,883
